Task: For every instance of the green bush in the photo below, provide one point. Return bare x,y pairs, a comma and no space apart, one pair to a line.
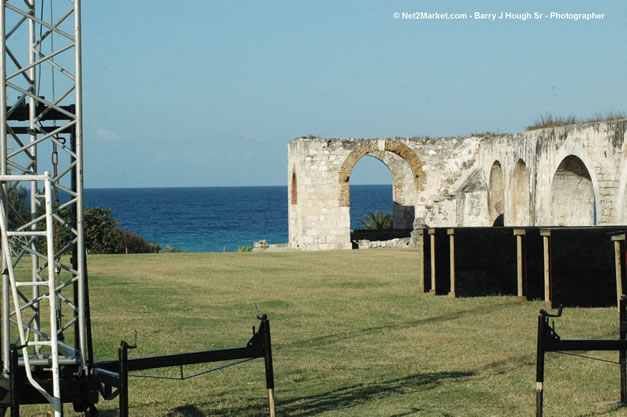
102,236
134,243
101,233
18,206
170,249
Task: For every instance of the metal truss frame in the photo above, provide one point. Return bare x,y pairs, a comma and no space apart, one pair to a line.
41,130
46,348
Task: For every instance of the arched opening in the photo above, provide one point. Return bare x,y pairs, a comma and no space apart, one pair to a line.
293,190
370,190
496,195
572,194
520,195
416,180
404,177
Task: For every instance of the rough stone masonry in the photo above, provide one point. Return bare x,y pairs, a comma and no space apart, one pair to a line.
564,176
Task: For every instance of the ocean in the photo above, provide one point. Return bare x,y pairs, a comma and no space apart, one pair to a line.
216,219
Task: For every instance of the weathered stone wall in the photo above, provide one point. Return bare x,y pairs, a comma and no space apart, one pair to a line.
563,176
472,201
571,175
425,174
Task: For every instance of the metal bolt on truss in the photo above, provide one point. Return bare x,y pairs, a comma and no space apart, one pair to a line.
44,287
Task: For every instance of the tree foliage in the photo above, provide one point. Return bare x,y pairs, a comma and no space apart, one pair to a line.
18,208
101,232
134,243
103,236
377,221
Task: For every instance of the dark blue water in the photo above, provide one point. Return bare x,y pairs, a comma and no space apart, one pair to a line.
216,219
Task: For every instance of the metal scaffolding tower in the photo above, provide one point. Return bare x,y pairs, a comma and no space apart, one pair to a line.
45,327
46,349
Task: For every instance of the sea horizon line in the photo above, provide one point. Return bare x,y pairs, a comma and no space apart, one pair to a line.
200,186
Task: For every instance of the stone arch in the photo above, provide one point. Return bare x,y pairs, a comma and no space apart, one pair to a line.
572,194
293,189
496,194
375,147
520,195
404,194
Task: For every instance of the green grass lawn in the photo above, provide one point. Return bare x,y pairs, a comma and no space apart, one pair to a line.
352,336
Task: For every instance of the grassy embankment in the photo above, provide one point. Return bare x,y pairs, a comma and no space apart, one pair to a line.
352,336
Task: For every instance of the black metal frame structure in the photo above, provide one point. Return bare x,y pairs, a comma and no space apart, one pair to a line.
110,378
550,341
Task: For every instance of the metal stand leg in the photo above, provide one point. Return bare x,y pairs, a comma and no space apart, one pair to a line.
13,384
540,366
269,368
622,357
123,389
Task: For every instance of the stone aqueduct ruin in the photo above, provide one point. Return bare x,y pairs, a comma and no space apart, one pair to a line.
571,175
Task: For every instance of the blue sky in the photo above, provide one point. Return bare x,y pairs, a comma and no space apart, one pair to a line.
209,93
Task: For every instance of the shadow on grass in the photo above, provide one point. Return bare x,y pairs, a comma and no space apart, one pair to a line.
186,411
608,410
108,413
339,337
347,397
336,399
408,413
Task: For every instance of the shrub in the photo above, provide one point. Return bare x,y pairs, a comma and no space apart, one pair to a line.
101,233
170,249
547,120
102,236
134,243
